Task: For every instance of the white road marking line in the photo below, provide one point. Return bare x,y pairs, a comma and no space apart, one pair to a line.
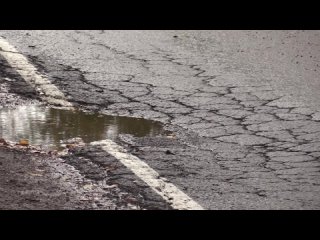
168,191
48,91
52,95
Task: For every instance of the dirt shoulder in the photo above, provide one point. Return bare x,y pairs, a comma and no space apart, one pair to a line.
35,180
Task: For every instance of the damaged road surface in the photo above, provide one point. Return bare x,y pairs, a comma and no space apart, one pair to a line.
51,127
160,120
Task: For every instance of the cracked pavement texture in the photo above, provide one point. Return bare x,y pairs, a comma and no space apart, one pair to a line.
244,105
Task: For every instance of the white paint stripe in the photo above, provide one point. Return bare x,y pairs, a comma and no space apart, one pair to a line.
53,95
48,91
168,191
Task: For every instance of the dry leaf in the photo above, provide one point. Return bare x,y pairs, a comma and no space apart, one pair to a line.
24,142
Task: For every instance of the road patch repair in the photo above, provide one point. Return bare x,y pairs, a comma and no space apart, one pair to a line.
52,127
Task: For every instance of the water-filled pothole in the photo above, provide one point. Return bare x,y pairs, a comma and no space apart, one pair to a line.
50,126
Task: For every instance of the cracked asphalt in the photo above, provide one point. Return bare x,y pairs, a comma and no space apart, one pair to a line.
243,107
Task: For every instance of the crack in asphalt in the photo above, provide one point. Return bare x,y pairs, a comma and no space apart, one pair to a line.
228,94
239,132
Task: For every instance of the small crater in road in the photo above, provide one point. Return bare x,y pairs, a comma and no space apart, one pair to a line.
50,126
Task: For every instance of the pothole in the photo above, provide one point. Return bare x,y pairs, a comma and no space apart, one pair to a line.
51,127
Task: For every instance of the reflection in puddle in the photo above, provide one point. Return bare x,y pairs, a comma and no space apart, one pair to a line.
48,126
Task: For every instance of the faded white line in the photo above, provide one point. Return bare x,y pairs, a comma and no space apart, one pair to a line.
168,191
52,95
47,91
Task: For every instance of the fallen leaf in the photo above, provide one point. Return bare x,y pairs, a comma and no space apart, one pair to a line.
24,142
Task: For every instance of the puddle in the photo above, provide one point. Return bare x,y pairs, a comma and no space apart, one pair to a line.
49,126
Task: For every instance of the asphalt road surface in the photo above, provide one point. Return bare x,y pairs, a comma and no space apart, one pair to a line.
243,109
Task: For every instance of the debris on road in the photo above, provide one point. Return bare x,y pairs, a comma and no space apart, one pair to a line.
3,142
169,152
24,142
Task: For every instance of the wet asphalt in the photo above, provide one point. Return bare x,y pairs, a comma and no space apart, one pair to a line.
243,108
